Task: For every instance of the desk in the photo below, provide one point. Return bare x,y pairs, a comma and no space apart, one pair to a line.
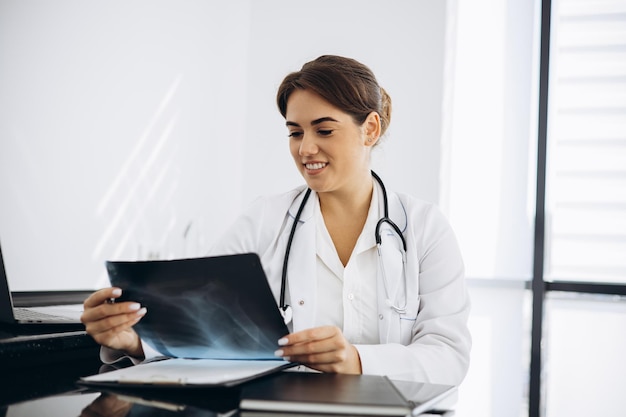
48,388
36,365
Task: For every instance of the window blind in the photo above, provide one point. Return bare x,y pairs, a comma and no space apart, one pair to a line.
586,184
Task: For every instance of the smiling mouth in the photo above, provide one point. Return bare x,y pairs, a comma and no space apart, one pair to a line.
314,166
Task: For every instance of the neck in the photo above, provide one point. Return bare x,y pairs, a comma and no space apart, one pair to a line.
345,213
351,201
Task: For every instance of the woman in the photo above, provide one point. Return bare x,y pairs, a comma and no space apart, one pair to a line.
404,316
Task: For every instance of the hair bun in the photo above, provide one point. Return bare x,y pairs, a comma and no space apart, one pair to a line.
385,110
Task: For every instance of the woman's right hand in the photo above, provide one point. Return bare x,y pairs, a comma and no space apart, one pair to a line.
111,323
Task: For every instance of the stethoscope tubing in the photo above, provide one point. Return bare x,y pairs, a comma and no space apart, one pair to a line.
283,282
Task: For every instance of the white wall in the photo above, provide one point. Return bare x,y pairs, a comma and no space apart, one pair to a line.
402,41
110,118
137,128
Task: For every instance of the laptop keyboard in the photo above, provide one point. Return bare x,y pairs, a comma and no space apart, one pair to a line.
24,314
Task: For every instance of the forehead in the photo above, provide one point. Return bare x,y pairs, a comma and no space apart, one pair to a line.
305,105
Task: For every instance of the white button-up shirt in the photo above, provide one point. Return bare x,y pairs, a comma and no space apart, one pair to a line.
347,294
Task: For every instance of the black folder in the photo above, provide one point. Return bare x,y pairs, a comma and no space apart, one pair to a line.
338,394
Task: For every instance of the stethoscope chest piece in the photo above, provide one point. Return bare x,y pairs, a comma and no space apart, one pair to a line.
287,313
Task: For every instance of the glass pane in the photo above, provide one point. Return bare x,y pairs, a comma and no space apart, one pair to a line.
586,184
585,343
488,166
497,381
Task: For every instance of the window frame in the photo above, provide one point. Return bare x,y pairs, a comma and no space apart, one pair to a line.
539,285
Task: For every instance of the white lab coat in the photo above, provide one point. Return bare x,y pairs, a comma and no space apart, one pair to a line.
431,342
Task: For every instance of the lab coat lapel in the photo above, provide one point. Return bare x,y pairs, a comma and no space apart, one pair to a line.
397,212
389,327
301,271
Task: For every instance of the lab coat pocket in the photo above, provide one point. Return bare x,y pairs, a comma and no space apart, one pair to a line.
392,265
407,321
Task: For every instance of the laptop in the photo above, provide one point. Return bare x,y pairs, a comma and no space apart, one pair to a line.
44,318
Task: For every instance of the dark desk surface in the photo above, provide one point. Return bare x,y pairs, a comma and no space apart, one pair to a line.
36,365
38,375
51,390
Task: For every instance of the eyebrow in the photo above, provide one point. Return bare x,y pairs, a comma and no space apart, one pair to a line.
314,122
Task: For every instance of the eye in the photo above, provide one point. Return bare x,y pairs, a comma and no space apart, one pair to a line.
325,132
295,134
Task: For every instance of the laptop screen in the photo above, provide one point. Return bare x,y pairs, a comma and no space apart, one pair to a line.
6,303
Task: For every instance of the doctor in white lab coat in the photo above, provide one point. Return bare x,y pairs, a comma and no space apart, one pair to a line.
357,307
429,341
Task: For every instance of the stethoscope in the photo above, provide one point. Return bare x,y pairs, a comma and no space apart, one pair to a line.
286,310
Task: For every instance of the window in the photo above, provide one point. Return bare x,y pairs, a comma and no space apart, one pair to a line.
585,211
534,182
586,176
488,189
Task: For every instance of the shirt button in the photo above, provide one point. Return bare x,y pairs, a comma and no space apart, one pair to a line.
301,302
350,296
380,316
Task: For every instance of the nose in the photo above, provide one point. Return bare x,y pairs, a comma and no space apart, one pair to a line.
308,145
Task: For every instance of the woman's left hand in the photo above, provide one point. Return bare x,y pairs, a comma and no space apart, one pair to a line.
322,348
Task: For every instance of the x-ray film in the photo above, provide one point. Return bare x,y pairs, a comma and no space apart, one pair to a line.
210,308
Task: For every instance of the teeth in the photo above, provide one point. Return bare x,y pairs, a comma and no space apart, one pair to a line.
318,165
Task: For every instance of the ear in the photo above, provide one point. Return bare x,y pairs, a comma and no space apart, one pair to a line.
371,128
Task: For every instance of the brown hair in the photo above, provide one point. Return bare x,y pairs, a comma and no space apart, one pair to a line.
343,82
